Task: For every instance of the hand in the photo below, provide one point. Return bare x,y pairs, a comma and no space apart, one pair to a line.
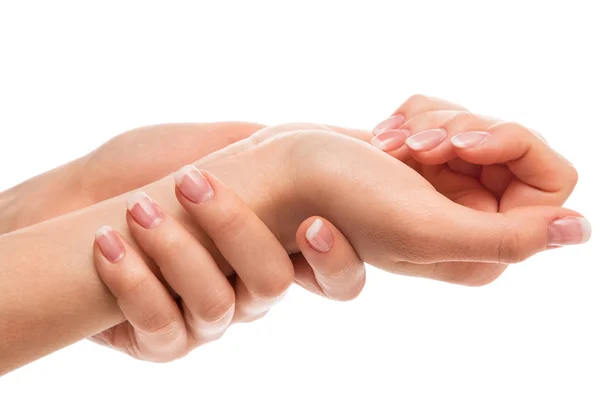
397,220
159,150
159,328
391,215
476,161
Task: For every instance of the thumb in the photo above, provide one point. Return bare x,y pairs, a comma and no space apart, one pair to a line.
508,237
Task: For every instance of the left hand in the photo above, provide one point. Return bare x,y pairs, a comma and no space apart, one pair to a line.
160,329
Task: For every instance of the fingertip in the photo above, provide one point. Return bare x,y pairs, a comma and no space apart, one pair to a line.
469,139
319,236
338,270
109,244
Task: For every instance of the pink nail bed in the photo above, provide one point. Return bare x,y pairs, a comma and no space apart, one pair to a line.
110,245
144,210
568,231
193,184
393,122
469,139
426,140
390,140
319,236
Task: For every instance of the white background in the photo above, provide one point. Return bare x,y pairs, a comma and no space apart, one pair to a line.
72,75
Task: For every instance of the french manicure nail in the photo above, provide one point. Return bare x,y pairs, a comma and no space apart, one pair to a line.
193,184
426,140
469,139
393,122
143,210
319,236
569,230
390,140
110,245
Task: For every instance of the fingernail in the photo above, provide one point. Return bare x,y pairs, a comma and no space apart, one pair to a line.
569,230
143,210
110,244
393,122
319,236
426,140
390,140
469,139
193,184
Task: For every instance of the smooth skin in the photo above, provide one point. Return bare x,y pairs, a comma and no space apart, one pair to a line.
160,329
159,150
463,168
284,174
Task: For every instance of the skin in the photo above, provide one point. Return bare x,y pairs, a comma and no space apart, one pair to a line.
159,329
162,148
284,174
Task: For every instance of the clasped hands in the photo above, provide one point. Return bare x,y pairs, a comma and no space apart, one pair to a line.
456,198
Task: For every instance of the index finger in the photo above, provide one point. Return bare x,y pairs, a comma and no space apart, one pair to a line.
415,105
544,176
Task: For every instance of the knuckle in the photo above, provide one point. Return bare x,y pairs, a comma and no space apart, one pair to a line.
355,288
276,285
169,245
219,306
515,128
340,271
232,220
510,249
132,285
161,326
417,100
462,120
571,176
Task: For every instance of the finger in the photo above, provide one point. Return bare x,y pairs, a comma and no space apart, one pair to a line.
207,296
508,237
430,134
459,188
544,176
468,192
159,332
393,141
331,267
249,307
243,239
415,105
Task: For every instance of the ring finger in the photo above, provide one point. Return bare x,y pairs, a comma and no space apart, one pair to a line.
207,297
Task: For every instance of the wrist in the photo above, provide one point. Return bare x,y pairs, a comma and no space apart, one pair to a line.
264,173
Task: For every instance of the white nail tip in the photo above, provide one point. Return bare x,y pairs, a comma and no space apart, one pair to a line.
136,198
103,231
188,170
380,144
469,139
314,229
426,140
586,229
413,144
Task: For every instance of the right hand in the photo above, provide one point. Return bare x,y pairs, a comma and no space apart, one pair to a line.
160,328
396,218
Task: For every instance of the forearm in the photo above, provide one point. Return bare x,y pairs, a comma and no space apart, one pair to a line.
50,295
115,168
55,190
